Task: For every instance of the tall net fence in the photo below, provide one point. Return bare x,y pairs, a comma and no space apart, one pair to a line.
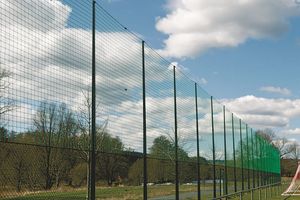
158,135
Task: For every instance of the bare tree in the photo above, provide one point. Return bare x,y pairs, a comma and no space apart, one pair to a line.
268,134
218,153
295,151
45,122
55,126
85,127
284,146
67,129
6,104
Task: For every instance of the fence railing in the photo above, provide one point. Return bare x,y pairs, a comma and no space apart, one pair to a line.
156,133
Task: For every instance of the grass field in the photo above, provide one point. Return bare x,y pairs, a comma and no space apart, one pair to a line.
270,194
113,193
136,193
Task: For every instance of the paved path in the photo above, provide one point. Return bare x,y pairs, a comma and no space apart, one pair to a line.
186,195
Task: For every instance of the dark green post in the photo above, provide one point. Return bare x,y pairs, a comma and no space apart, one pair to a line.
144,124
262,168
257,161
198,151
253,160
234,160
278,165
176,139
220,182
225,153
264,163
260,161
248,161
213,143
242,159
93,136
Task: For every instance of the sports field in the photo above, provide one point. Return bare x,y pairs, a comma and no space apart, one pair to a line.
113,193
155,193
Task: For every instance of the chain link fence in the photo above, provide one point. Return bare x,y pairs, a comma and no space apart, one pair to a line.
158,134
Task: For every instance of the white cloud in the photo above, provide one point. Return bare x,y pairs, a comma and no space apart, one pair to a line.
127,121
263,112
203,81
295,131
53,64
194,26
265,121
276,90
50,60
258,112
34,14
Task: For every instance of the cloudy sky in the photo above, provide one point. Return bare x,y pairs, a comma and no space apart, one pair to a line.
244,53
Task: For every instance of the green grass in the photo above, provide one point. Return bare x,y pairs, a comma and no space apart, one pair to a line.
136,193
269,194
113,193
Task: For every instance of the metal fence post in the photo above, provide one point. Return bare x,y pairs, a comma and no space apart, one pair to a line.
93,136
213,143
198,151
144,124
220,182
248,161
264,163
253,160
225,154
176,139
261,162
257,161
234,159
242,159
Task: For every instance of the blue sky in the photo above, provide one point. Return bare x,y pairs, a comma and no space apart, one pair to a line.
256,66
255,63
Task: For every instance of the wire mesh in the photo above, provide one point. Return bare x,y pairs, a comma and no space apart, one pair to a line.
160,123
46,117
218,150
205,143
231,153
45,61
237,147
187,136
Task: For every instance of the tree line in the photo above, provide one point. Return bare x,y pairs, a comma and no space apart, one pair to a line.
55,152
